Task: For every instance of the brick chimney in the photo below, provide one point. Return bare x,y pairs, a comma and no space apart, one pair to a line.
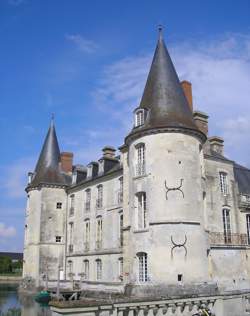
201,121
66,161
187,89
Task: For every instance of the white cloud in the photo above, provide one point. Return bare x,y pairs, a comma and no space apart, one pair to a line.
219,70
15,177
6,232
83,44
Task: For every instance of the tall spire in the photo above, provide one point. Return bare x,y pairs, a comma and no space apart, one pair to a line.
163,95
48,166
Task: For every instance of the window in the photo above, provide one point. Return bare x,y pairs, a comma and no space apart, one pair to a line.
58,238
141,210
139,117
120,192
99,233
120,268
248,227
143,266
70,265
87,235
71,231
140,167
59,205
121,229
72,205
88,199
227,226
98,269
86,269
223,183
99,201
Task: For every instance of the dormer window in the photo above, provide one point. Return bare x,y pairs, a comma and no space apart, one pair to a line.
140,115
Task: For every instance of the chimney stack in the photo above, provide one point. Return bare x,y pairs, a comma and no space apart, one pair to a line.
66,161
201,121
109,152
217,144
187,89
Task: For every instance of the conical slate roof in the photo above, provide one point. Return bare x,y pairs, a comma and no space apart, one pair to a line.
48,166
163,95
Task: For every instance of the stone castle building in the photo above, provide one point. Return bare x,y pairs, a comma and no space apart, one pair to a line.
169,211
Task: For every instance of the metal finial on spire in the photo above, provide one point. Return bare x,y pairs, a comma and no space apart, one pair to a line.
160,29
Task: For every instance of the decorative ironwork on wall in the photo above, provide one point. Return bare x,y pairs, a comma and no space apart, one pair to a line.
179,245
168,189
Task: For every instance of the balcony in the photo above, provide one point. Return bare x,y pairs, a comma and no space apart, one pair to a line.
71,211
86,246
98,244
87,206
99,203
120,197
244,201
140,170
71,248
221,239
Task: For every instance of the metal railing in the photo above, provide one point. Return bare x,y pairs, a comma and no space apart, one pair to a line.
99,203
98,244
86,246
71,211
71,248
120,197
221,239
140,169
244,200
87,206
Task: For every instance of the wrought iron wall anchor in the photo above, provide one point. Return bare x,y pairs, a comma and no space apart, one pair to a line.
174,189
179,246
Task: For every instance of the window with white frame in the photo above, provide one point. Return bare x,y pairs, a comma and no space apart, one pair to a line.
140,167
72,205
142,267
227,225
120,192
120,268
99,232
98,269
86,269
121,229
87,234
99,201
139,117
248,227
141,210
87,199
223,183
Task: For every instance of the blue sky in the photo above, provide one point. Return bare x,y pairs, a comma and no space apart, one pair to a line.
87,62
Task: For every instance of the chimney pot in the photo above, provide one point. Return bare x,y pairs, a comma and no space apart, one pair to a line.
201,121
66,161
187,89
109,152
217,144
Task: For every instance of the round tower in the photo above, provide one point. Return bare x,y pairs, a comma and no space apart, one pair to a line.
165,236
44,244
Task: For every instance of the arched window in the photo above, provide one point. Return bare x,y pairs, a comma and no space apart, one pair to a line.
120,268
142,266
87,234
99,232
120,192
223,183
70,265
98,269
72,205
87,200
99,200
141,161
248,227
86,269
141,210
227,226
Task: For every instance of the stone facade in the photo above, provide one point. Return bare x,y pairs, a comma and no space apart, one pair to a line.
170,214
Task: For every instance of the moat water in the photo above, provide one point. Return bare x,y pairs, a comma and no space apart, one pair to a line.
23,305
